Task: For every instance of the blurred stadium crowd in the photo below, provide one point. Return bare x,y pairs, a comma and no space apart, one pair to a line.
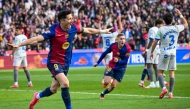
36,16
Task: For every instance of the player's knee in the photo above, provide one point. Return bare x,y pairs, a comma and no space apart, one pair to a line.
64,84
113,85
53,89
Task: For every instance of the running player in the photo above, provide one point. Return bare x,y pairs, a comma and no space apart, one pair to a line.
61,35
117,65
168,36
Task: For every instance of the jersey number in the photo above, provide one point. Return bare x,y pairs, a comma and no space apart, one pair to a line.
107,42
172,40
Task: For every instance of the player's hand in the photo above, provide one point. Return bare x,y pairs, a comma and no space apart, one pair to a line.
11,57
151,56
108,31
96,64
115,59
13,45
144,54
178,12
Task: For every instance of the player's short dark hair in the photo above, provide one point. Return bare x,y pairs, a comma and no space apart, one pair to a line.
120,34
146,28
63,14
18,27
109,26
159,21
168,17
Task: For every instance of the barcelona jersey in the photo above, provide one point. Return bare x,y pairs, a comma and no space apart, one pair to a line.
61,43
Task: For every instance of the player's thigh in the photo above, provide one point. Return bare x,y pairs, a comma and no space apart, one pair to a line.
62,79
163,62
24,61
107,79
118,74
17,61
54,85
172,63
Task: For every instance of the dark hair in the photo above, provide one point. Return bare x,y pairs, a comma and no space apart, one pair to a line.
145,28
168,17
18,27
109,26
150,23
159,21
63,14
120,34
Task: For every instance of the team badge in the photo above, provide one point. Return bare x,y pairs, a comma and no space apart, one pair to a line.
56,67
65,45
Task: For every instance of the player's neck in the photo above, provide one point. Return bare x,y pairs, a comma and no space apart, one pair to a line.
64,28
119,46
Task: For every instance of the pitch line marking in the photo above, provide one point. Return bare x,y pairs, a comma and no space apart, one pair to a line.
89,93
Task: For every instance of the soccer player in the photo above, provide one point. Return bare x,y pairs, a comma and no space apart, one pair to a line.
19,58
117,65
145,71
61,35
153,62
168,36
107,40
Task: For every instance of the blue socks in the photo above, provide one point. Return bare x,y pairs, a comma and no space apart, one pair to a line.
105,91
145,72
66,97
45,93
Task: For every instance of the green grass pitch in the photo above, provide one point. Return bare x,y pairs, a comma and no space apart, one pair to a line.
85,87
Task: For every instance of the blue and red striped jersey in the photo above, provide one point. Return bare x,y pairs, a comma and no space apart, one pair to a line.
61,43
122,54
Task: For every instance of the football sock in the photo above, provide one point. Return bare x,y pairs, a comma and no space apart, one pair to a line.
161,81
47,92
66,97
156,74
27,75
150,74
172,82
105,92
143,74
16,77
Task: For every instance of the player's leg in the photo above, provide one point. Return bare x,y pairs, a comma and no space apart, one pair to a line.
162,65
172,68
144,73
24,65
156,75
45,93
16,64
107,80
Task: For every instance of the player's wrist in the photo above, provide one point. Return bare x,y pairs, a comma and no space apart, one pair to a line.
147,50
181,16
102,31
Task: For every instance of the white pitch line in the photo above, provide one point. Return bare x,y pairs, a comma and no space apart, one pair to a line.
88,93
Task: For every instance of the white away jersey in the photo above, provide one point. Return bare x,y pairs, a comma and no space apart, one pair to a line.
168,36
152,34
21,51
108,39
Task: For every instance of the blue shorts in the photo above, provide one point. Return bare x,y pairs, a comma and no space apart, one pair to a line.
116,73
56,68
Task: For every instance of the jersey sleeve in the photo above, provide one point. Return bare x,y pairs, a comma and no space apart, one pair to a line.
16,40
108,50
180,27
151,34
158,35
50,33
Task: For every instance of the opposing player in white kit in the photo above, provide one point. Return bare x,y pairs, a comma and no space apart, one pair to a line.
20,58
108,39
168,36
151,36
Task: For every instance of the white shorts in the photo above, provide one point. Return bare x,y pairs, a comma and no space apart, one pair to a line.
108,58
155,58
20,60
167,62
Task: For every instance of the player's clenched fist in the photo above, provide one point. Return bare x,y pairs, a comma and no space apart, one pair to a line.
115,59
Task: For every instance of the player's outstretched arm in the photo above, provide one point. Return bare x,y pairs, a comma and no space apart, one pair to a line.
184,21
29,41
120,24
96,31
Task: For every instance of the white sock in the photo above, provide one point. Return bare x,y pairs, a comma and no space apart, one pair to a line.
38,96
30,82
142,81
15,83
170,93
151,83
163,88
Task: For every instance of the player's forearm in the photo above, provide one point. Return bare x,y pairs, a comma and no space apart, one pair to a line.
14,49
32,40
102,57
91,31
184,21
154,46
120,27
124,61
149,44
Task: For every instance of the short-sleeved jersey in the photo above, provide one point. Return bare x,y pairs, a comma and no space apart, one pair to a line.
61,43
21,51
108,39
152,34
122,54
168,36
